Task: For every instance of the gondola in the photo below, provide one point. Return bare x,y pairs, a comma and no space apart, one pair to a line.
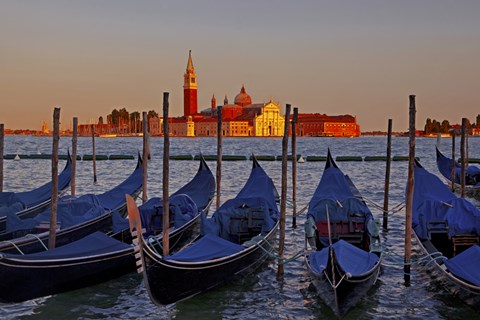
447,229
99,257
233,242
77,217
472,175
342,255
27,204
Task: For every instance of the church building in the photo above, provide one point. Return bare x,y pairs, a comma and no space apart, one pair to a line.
243,118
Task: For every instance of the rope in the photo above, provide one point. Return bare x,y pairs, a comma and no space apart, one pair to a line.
398,260
256,242
398,207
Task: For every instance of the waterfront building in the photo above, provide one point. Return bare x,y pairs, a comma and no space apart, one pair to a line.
321,125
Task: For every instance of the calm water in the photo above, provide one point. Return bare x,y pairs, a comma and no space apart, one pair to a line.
263,295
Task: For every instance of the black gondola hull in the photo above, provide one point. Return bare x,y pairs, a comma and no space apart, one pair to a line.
349,291
169,281
24,280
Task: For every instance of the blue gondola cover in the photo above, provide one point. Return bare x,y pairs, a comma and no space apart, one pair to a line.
351,259
465,265
207,248
433,201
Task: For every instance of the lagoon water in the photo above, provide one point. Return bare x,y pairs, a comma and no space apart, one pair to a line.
262,295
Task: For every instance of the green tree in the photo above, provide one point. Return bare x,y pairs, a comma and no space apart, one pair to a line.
153,113
445,126
428,126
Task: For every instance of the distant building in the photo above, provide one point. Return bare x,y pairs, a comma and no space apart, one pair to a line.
321,125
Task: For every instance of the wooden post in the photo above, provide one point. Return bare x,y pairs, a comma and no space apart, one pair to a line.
94,155
74,156
410,186
53,206
283,200
2,145
145,158
466,148
439,136
219,153
387,175
462,158
166,151
452,178
294,167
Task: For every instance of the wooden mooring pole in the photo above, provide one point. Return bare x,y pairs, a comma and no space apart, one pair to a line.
462,158
74,156
283,200
166,155
2,146
452,177
410,186
145,158
53,206
94,157
219,154
294,167
387,175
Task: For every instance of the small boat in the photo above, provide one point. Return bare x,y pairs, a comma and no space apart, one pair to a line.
77,217
342,244
472,175
447,229
233,242
27,204
98,257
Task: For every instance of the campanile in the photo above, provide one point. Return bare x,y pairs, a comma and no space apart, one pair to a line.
189,89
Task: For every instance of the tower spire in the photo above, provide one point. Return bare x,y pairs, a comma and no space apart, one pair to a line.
190,68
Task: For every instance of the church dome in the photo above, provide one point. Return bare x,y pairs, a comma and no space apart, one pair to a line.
243,98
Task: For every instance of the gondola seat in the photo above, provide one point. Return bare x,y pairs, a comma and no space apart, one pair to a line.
245,224
464,241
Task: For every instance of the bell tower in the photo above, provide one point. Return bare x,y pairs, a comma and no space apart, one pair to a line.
189,89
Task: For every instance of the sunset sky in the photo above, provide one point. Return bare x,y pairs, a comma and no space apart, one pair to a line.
335,57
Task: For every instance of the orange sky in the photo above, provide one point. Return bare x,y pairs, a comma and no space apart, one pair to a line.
358,57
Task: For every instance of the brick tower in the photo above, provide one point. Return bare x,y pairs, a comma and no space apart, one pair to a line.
189,89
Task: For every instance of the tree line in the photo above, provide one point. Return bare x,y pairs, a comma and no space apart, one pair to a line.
123,118
434,126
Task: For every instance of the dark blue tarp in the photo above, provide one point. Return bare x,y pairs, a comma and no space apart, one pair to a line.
43,193
257,198
257,195
337,192
466,265
444,164
182,210
11,202
70,211
115,198
93,244
207,248
201,188
433,201
350,259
